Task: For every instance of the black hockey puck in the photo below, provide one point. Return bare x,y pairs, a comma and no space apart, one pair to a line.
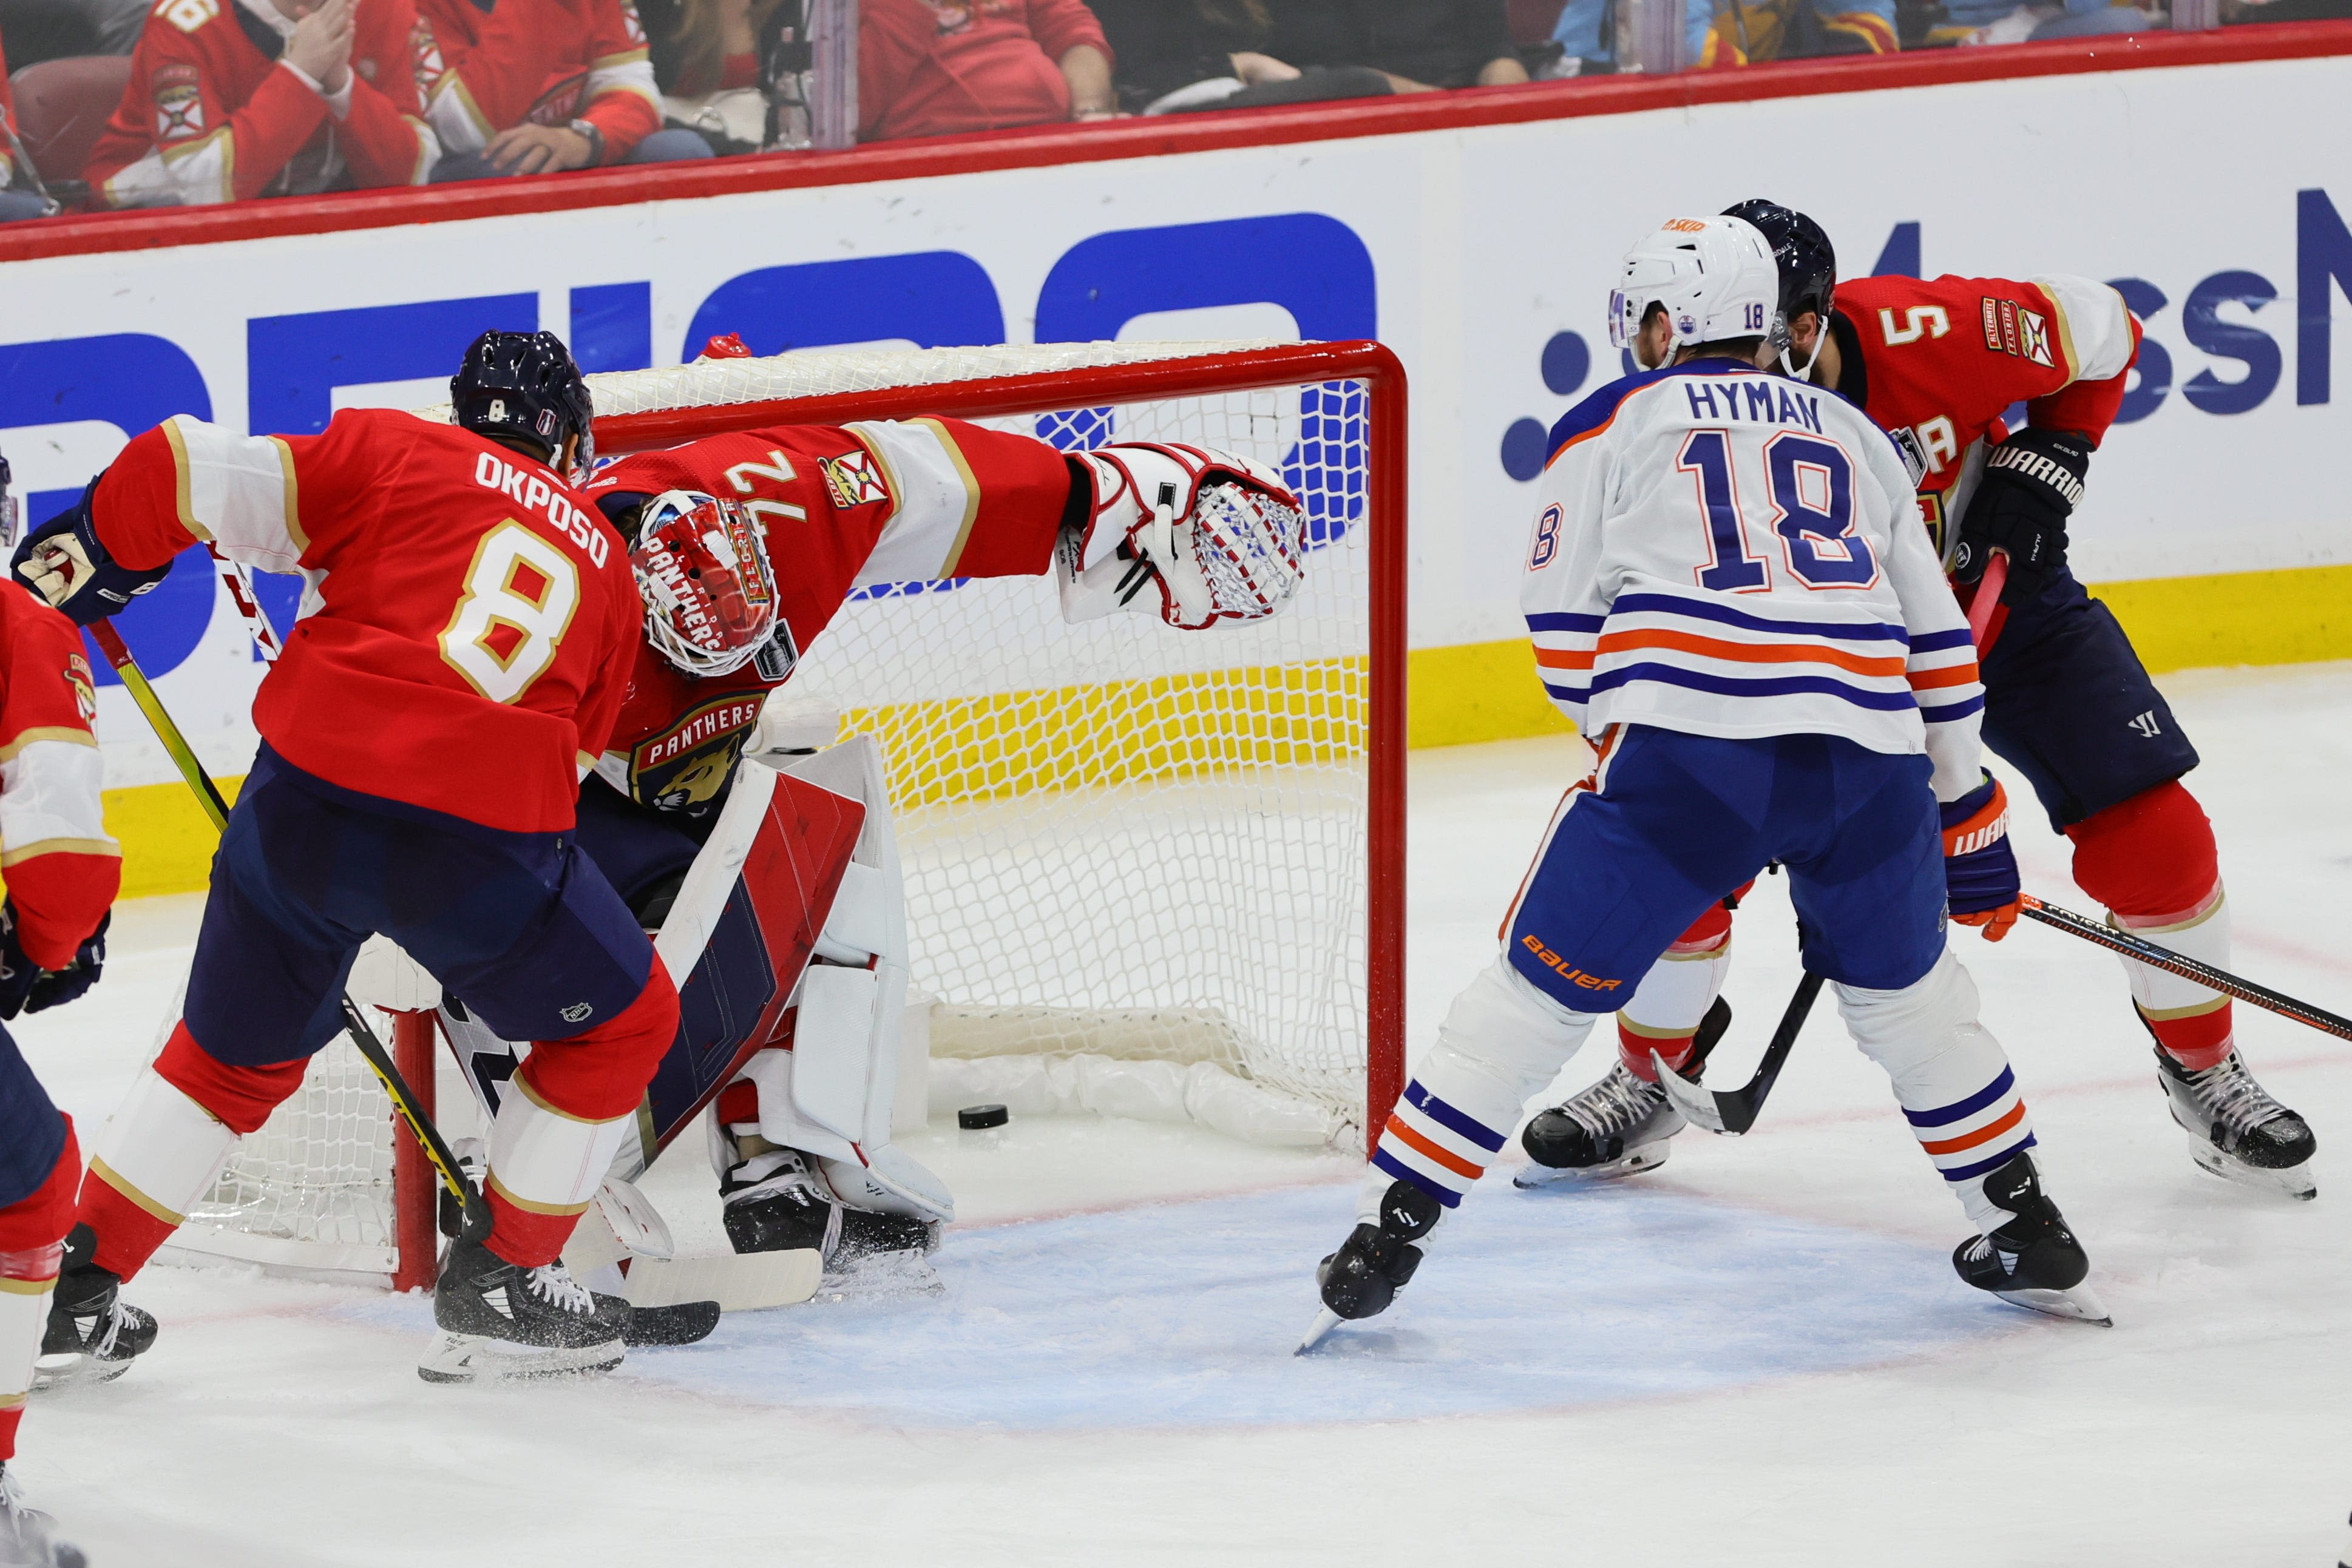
974,1118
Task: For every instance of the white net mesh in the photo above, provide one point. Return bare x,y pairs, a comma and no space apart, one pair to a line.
1118,840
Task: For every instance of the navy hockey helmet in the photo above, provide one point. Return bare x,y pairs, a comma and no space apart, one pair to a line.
1808,263
524,386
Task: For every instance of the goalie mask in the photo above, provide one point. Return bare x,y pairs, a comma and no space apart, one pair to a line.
702,571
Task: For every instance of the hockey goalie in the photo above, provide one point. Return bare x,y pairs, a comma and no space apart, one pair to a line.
759,849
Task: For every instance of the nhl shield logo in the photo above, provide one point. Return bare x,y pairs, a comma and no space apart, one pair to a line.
577,1012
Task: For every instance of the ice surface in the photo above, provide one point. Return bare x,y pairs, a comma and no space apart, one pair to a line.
1757,1354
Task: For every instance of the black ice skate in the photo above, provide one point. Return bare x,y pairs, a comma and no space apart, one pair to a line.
776,1201
92,1334
2236,1130
28,1536
2033,1260
1619,1126
500,1320
1364,1276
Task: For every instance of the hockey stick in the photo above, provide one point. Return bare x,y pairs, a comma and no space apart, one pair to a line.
1734,1111
1982,608
355,1024
2187,968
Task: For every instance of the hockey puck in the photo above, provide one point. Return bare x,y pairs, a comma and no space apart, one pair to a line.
974,1118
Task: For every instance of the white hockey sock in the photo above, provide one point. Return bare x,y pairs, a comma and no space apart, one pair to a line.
1667,1006
2192,1022
161,1150
1501,1042
27,1279
1951,1076
545,1162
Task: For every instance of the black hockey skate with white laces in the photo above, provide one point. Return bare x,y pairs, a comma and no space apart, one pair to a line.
777,1201
2033,1260
92,1335
500,1320
1375,1262
1618,1127
2238,1132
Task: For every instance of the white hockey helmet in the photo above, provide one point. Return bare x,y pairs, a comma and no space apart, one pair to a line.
1714,277
702,570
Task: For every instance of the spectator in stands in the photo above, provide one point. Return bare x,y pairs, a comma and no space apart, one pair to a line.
939,68
1419,45
17,198
1741,32
533,86
37,30
705,45
265,98
1178,54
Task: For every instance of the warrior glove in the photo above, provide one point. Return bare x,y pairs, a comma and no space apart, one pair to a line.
1196,535
2031,486
1980,865
65,564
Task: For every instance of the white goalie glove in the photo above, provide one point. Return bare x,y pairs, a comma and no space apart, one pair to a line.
1194,535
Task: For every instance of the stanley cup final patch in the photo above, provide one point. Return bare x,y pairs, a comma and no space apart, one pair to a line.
852,479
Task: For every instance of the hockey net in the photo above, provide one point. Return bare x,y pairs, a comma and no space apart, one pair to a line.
1122,843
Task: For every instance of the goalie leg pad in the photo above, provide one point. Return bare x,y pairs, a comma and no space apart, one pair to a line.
1950,1075
1502,1041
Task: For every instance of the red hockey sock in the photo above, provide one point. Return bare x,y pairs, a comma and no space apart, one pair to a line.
525,1237
2152,861
32,1230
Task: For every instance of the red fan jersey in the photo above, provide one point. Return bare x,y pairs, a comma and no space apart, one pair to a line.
843,507
212,113
62,870
489,65
464,643
1942,361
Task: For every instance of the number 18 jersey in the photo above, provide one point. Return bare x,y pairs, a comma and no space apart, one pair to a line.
465,643
1725,551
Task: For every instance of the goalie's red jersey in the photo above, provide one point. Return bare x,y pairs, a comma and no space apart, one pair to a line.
1944,359
842,506
464,645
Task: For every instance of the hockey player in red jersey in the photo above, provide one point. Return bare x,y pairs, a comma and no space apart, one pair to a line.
63,871
746,545
1937,364
461,657
234,99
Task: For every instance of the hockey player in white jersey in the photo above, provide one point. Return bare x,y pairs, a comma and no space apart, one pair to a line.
1729,594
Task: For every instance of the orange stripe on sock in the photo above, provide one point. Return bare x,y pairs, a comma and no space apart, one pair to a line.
1749,652
1984,1134
1424,1147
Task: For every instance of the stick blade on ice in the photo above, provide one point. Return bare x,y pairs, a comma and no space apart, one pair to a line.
739,1282
1325,1322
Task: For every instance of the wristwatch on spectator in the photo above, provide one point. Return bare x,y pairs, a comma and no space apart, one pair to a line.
595,136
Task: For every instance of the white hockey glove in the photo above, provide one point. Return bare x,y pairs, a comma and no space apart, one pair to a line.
1214,538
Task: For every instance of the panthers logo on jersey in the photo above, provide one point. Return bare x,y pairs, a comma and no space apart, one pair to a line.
85,690
688,764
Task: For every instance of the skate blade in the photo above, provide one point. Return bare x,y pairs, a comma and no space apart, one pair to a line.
1325,1322
1532,1177
478,1358
76,1369
2296,1181
2081,1304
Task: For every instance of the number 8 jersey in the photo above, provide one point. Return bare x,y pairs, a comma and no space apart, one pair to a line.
1725,551
465,639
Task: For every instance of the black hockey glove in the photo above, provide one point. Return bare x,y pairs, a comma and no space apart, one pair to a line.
58,986
2031,484
65,564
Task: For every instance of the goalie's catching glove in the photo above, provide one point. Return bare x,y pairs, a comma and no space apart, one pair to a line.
2031,486
65,564
1197,535
1980,865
